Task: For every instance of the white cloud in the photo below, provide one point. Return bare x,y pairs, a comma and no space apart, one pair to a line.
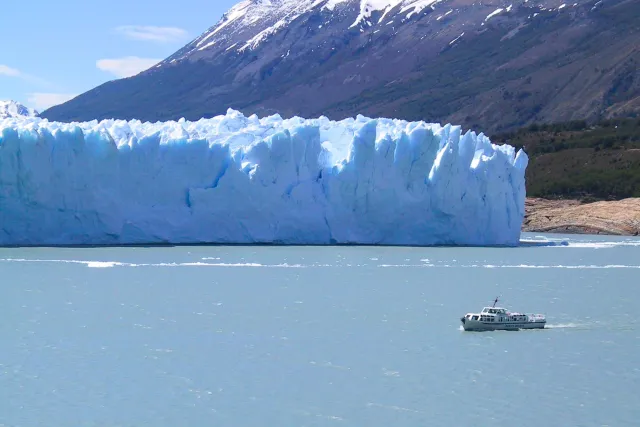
41,101
151,33
38,100
127,66
5,70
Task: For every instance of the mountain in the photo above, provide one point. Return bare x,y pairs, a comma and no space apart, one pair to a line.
494,65
13,109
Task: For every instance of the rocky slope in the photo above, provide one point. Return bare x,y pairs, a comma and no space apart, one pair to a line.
569,216
492,65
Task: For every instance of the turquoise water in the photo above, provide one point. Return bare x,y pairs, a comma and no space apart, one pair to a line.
319,336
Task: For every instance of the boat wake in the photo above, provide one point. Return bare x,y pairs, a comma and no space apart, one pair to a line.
548,326
563,325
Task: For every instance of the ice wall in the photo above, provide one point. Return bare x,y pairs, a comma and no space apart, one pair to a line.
236,179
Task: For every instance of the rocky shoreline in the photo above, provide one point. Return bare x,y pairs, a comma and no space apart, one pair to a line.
620,217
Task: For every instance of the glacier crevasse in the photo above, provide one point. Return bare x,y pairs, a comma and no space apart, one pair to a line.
237,179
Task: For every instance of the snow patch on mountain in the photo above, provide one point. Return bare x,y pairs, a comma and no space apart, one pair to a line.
13,109
252,22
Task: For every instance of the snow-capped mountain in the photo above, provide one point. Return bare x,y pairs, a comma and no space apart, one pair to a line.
252,22
493,65
13,109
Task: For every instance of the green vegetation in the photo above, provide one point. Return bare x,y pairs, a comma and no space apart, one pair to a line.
578,160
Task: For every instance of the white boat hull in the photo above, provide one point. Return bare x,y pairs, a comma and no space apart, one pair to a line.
476,325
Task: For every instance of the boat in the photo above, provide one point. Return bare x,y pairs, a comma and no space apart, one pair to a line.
497,318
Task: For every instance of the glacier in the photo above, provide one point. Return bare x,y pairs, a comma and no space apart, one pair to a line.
234,179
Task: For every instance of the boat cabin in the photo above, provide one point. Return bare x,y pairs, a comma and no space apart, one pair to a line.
494,310
498,314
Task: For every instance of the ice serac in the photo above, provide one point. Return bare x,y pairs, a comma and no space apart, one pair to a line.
237,179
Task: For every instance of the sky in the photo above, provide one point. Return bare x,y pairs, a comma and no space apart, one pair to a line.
51,51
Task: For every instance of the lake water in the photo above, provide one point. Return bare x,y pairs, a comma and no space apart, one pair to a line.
319,336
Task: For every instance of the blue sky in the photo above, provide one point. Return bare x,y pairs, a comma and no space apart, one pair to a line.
51,51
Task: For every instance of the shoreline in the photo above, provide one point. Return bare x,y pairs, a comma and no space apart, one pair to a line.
615,218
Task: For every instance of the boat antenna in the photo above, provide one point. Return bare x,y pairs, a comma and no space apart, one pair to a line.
495,302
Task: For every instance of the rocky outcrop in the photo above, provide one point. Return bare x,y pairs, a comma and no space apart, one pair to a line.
570,216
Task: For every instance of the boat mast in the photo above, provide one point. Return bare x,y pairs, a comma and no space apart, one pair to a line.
495,302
